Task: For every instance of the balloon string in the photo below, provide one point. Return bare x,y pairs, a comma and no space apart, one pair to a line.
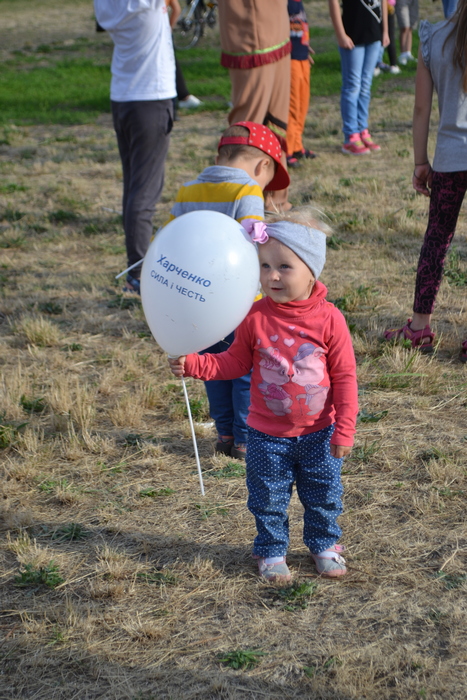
120,274
194,437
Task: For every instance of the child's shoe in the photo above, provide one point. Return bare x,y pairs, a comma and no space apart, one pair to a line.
330,563
368,141
304,153
406,57
380,68
224,444
292,161
394,70
238,451
355,146
189,102
277,572
132,285
420,340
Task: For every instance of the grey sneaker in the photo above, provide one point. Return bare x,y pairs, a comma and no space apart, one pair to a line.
275,573
333,565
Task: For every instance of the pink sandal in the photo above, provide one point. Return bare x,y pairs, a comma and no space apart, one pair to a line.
464,351
330,563
421,340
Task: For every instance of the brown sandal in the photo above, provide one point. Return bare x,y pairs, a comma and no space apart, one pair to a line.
421,340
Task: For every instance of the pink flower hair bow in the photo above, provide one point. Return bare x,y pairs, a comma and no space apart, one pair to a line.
256,230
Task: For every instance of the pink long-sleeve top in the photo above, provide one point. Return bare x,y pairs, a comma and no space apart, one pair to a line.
304,373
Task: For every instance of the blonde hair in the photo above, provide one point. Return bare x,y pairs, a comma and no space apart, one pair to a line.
305,216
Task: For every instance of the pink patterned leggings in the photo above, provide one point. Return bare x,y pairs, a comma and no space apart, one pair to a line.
447,194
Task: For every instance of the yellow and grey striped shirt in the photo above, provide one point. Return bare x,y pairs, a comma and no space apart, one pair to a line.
230,191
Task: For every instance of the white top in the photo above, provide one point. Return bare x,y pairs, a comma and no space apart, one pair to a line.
451,144
143,62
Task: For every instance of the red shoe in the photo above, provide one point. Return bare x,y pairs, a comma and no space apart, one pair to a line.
238,451
420,340
368,141
292,162
355,146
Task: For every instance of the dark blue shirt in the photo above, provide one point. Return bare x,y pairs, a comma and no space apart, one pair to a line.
299,33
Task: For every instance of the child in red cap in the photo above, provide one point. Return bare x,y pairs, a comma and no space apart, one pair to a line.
248,162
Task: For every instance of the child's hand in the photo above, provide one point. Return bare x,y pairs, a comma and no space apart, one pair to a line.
177,365
311,53
340,451
422,178
345,42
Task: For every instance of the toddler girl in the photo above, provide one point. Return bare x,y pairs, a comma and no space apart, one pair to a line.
303,395
442,65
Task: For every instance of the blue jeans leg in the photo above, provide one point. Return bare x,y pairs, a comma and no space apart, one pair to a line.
269,478
357,66
273,465
319,488
229,400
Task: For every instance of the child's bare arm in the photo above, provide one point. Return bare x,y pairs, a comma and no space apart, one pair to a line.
175,11
177,365
423,174
343,39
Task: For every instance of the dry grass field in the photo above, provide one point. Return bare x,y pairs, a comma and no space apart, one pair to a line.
118,580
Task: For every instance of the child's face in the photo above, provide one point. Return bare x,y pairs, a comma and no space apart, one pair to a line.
284,276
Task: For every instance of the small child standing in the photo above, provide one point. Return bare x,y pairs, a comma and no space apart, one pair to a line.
360,31
441,67
303,396
248,162
299,83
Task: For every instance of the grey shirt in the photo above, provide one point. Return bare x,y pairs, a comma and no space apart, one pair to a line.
451,144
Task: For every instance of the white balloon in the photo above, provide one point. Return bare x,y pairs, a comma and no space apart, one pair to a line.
199,279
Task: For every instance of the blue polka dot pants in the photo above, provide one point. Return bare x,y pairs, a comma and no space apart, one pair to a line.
274,464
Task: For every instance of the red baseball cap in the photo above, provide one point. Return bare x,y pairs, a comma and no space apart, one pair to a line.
263,138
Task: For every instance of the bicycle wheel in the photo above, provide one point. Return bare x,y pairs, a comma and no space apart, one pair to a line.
189,29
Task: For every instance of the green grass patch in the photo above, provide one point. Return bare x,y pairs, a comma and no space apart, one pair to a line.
43,576
71,91
74,89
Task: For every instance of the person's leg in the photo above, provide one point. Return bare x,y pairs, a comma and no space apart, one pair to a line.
262,95
143,135
351,67
251,93
269,479
219,393
403,20
293,123
319,488
304,99
391,49
447,194
240,399
370,57
182,90
276,120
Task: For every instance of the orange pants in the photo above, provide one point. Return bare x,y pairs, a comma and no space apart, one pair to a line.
299,102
